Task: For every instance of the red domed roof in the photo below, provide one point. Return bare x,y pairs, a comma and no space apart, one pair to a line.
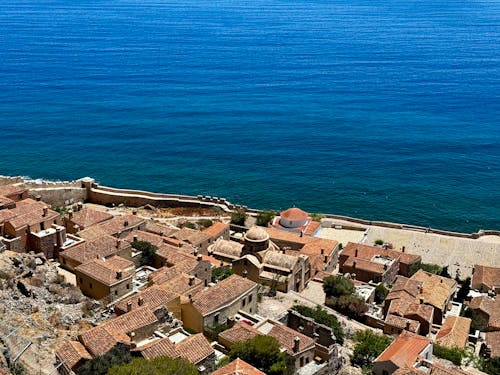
294,214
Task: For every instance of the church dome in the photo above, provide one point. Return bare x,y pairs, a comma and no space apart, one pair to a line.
256,234
293,218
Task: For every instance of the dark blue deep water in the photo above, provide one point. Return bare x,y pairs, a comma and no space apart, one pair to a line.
377,109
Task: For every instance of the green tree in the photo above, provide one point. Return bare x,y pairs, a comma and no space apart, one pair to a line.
100,365
239,216
321,316
214,330
336,286
350,305
368,346
444,272
264,353
205,223
221,273
428,267
264,217
491,366
464,290
454,355
379,242
478,321
317,217
148,252
380,293
156,366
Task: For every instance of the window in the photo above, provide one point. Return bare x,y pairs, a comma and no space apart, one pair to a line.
90,285
301,361
250,298
307,360
42,226
128,286
116,292
384,372
216,318
64,261
244,302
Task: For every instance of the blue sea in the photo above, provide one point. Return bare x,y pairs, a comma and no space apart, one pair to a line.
386,110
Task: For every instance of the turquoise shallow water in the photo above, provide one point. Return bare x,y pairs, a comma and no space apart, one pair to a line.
386,110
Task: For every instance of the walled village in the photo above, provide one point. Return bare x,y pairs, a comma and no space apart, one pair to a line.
94,279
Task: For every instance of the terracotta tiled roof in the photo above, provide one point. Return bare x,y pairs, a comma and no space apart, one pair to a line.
153,239
404,351
158,348
105,271
294,213
286,337
175,257
33,217
276,259
401,323
192,236
238,367
416,309
6,202
368,252
216,230
133,320
487,276
319,244
182,283
101,339
407,371
153,297
364,265
88,217
439,369
159,229
222,293
194,349
101,247
72,352
404,286
7,190
93,232
489,306
311,227
436,290
121,223
22,207
493,342
238,333
454,332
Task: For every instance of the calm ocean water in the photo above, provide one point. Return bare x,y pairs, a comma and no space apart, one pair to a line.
383,110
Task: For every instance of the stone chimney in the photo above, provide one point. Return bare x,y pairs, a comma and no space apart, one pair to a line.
407,325
322,251
326,259
199,257
296,344
38,198
117,244
140,301
45,211
356,253
191,280
245,273
354,265
129,306
190,296
70,214
134,212
403,249
136,238
119,274
79,206
125,223
76,228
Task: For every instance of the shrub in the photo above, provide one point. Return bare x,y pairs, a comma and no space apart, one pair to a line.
322,317
205,223
100,365
431,268
221,273
368,346
379,242
264,217
264,353
156,366
188,224
380,293
491,366
336,286
317,217
350,305
453,355
148,252
214,330
239,216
